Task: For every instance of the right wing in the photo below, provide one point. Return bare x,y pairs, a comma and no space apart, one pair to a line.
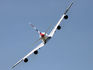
53,31
39,46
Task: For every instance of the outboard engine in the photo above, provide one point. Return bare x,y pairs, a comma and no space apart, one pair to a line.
66,17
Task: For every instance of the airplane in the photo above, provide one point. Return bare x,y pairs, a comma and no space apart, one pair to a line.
44,37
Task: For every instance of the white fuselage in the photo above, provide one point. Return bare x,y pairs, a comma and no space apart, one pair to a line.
45,38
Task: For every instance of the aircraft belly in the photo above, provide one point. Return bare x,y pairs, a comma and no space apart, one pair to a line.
47,39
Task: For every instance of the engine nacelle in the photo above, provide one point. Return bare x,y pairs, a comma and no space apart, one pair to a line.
35,52
66,17
59,27
25,60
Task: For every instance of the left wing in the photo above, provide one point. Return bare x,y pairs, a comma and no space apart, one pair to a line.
39,46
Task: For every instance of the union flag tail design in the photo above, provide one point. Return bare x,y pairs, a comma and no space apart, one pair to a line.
35,28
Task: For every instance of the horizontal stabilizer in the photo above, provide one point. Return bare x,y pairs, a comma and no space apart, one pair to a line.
35,42
48,28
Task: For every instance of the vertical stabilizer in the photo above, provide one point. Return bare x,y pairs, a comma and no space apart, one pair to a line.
35,28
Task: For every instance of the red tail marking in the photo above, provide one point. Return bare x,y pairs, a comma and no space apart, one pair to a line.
32,25
42,35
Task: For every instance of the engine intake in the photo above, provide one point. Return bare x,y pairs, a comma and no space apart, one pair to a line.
35,52
59,27
66,16
25,60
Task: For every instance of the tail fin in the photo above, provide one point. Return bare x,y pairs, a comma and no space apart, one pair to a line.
35,28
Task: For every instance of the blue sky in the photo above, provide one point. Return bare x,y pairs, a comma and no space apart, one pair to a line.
71,48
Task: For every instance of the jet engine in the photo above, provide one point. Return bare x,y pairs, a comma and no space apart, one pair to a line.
25,60
59,27
35,52
66,17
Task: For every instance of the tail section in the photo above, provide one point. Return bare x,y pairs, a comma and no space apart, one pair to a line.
35,28
35,42
48,29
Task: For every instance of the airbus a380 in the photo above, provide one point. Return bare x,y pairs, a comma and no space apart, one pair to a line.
44,37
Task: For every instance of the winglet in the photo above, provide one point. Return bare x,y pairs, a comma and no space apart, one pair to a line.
16,63
68,8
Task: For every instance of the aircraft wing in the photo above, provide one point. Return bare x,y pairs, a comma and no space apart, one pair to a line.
53,31
39,46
